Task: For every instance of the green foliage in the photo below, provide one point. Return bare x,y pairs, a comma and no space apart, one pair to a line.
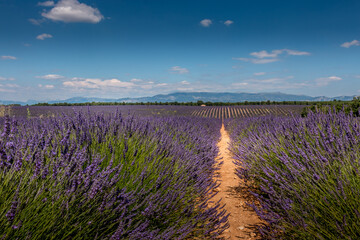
347,107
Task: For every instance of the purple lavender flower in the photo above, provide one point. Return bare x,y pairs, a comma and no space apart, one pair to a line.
11,213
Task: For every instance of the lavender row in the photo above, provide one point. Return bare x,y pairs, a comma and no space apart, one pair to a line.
304,173
137,110
106,176
156,110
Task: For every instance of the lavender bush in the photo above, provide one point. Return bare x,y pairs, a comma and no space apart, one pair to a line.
96,176
305,174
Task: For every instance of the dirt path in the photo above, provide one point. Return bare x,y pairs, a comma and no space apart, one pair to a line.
231,191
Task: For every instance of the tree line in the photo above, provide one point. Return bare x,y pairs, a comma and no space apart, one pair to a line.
349,107
198,103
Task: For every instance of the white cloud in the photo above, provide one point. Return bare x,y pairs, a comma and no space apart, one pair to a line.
179,70
2,89
6,90
12,85
276,53
73,11
46,86
228,22
8,58
321,82
272,80
349,44
51,77
240,84
259,73
185,82
205,22
257,61
269,84
185,89
90,83
296,53
6,79
44,36
46,4
264,56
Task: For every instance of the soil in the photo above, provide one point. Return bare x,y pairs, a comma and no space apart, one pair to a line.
233,193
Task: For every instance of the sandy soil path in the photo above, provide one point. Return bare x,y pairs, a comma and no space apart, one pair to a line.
231,190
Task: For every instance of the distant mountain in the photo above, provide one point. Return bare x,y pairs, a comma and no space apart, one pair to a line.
196,96
226,97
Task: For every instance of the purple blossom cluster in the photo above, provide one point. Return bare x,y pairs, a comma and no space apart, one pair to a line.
303,172
93,175
137,110
162,110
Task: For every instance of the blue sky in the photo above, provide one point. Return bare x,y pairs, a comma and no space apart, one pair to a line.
130,48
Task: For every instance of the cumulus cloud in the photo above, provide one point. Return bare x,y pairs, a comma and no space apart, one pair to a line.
46,86
51,77
44,36
228,22
264,56
134,86
205,22
73,11
276,53
179,70
90,83
349,44
324,81
8,58
46,4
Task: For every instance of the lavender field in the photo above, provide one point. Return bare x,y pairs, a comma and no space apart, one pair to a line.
147,172
303,172
220,112
106,176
